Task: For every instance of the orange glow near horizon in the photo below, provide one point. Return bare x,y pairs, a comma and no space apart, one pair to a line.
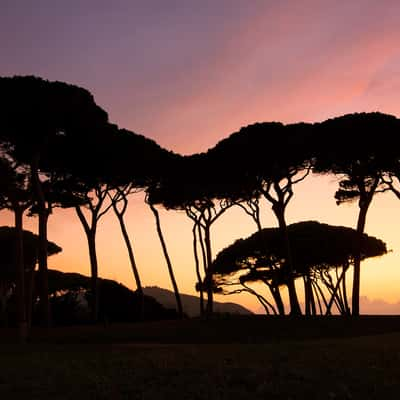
313,200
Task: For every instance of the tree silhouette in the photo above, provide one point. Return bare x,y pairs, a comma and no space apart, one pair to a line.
319,251
137,163
10,270
119,197
267,159
97,208
167,258
70,293
193,187
15,196
45,123
358,155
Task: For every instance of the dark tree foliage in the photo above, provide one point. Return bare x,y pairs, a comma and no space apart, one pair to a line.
192,185
7,239
48,126
74,154
16,196
358,148
316,249
70,295
128,163
136,159
266,160
9,270
54,121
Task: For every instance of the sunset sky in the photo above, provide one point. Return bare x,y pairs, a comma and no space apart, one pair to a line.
188,73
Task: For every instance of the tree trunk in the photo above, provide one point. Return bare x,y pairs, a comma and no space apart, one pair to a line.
293,299
252,208
263,301
311,294
198,274
168,261
20,276
362,216
132,261
344,290
42,232
43,270
94,278
322,296
209,273
276,294
29,295
90,232
203,250
307,299
3,303
336,290
314,287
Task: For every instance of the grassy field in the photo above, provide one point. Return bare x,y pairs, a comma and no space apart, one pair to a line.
239,358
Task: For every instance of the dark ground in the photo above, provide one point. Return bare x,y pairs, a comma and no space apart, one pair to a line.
225,358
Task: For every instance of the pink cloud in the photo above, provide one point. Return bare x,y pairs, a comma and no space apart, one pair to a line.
367,307
378,307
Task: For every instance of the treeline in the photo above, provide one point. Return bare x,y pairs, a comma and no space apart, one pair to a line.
58,149
69,293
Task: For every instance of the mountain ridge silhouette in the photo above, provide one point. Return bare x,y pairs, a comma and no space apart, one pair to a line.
191,303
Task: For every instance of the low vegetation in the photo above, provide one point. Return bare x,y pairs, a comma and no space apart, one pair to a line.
275,358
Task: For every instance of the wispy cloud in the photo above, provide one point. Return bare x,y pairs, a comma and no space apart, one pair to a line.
367,307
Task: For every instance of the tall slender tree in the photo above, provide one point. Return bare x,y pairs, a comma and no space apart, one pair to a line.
178,300
135,164
192,187
96,206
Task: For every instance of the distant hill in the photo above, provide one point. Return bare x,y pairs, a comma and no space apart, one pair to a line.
191,303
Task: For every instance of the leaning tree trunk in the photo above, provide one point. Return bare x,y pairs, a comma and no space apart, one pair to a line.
168,260
309,300
268,307
20,275
276,294
344,291
294,301
335,292
94,270
131,256
198,274
132,261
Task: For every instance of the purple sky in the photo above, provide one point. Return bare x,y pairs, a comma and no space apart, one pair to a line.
188,73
